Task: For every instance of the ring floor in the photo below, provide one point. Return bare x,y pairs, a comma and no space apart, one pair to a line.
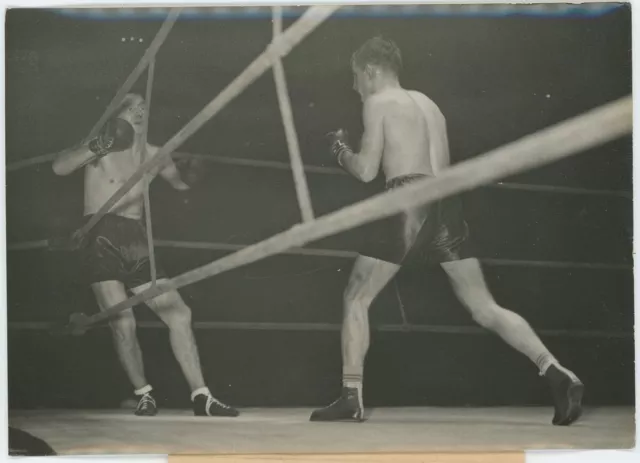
273,430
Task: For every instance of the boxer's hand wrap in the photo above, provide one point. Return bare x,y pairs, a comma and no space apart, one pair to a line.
339,144
116,135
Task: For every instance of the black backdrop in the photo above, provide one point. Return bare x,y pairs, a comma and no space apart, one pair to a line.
495,78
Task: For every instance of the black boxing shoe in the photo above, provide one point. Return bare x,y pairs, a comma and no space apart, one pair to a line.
207,405
146,406
348,407
567,391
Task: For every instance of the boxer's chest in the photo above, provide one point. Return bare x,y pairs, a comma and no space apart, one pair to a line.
119,167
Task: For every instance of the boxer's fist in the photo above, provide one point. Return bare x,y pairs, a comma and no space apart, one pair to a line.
339,143
194,171
116,135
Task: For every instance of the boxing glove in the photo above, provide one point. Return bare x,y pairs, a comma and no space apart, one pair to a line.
116,135
339,143
193,171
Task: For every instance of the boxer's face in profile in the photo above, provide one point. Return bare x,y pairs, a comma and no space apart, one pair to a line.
134,113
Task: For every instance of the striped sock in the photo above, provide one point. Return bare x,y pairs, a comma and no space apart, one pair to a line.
352,377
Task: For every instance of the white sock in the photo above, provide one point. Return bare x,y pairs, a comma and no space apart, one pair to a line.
197,392
143,390
544,361
357,384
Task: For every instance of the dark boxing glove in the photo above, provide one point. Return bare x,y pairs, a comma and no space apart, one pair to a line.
339,143
116,135
194,171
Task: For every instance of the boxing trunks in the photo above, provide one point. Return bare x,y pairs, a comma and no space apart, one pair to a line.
116,249
429,234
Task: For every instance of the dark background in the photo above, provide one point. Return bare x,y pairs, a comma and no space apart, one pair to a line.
496,78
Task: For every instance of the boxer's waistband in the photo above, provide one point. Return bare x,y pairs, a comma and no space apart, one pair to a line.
401,180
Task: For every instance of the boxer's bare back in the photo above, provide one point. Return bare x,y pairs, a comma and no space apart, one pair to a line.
415,136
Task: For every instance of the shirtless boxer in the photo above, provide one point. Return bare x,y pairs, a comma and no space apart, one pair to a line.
405,133
116,253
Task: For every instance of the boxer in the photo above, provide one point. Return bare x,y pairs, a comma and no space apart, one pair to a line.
405,135
116,253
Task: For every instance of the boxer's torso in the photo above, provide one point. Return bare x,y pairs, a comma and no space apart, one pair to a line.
103,178
414,133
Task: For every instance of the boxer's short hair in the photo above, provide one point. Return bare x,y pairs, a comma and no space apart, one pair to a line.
378,51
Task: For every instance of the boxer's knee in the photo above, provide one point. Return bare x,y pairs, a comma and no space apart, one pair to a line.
359,293
485,315
172,310
356,299
480,304
168,300
179,318
123,327
496,318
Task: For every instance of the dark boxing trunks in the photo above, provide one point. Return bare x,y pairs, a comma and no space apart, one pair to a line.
116,249
428,234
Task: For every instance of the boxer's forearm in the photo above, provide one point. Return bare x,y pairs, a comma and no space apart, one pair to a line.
352,163
72,159
176,182
179,184
356,165
172,175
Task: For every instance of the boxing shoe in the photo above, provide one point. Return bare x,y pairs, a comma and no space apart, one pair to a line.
348,407
146,406
207,405
567,391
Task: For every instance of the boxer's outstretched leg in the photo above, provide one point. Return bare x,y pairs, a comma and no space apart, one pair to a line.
174,312
469,285
123,328
368,277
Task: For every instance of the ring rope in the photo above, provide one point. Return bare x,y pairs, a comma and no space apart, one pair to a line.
147,178
311,19
248,162
148,56
338,253
296,326
302,189
310,169
590,129
403,313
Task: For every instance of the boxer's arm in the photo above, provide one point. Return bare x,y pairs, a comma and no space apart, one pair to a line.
116,135
440,157
168,170
72,159
366,164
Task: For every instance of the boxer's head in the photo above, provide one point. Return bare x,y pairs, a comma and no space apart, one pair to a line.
132,110
377,62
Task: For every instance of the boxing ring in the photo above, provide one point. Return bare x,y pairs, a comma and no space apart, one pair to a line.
415,429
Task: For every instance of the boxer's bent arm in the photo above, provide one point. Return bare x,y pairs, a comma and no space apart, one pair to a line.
366,164
168,170
440,157
72,159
